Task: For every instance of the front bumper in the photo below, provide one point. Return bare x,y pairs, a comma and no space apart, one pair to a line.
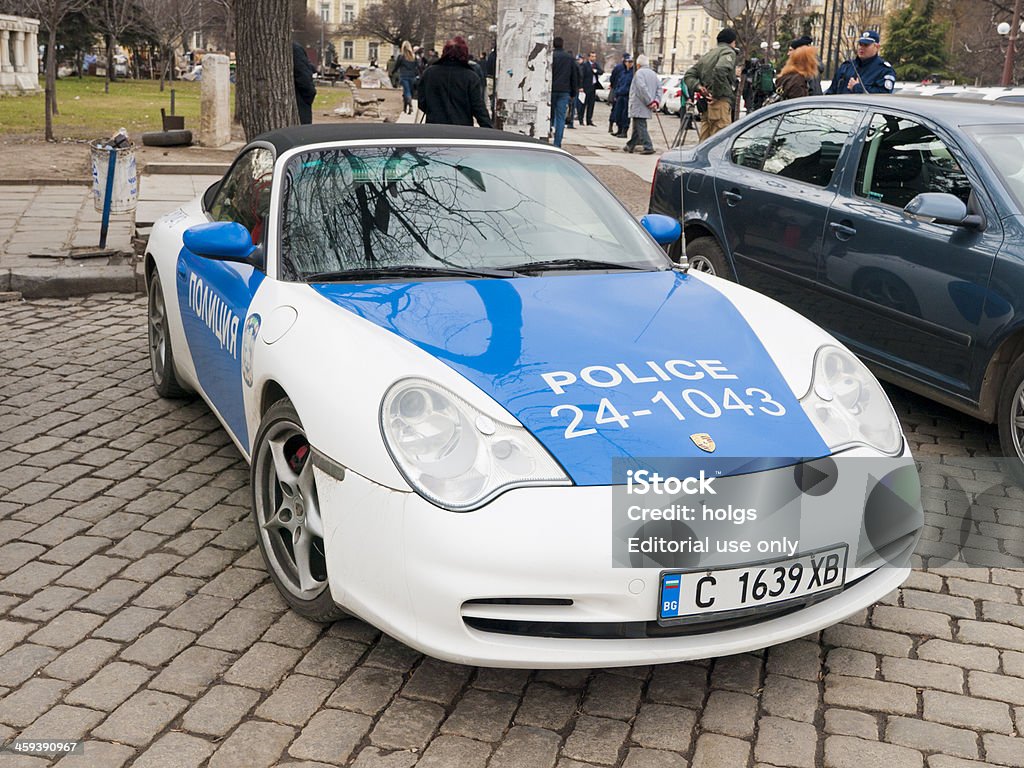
528,580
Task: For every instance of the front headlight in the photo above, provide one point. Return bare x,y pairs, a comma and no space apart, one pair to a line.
847,405
453,454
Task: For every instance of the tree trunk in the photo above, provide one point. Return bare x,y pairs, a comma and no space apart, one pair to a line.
639,25
110,64
265,80
51,80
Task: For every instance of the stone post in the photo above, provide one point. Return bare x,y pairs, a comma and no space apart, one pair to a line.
215,101
5,48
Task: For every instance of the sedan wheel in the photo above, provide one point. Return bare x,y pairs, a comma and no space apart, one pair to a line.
286,510
704,254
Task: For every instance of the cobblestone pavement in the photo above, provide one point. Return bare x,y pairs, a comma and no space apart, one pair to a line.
136,614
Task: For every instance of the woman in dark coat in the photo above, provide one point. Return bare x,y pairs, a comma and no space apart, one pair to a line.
450,91
793,81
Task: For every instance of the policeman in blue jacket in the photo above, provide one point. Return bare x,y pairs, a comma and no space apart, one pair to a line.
868,73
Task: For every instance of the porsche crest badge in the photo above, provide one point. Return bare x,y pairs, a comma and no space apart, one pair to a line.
703,441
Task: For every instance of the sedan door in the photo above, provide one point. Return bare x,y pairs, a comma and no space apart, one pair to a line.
908,294
774,189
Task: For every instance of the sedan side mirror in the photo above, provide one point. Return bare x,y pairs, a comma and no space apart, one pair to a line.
942,208
664,229
223,241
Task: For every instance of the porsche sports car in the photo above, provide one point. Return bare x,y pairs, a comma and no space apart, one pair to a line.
478,399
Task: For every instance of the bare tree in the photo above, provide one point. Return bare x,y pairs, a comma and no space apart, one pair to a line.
395,21
265,80
50,14
169,22
114,17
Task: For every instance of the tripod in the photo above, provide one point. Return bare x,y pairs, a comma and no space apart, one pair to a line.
687,122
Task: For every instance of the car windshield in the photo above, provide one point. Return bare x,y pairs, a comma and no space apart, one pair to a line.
450,208
1003,145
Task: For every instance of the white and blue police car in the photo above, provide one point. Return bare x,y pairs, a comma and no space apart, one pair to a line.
462,374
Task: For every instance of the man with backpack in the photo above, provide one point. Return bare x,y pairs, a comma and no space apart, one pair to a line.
712,80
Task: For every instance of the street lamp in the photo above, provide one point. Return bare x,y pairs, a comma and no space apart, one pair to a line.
1011,47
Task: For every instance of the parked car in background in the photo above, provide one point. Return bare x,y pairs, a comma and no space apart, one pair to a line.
894,222
670,85
674,96
604,92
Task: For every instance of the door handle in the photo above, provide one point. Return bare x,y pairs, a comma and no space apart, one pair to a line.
732,196
843,231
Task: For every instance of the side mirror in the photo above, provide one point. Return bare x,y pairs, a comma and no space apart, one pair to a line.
223,241
664,229
942,208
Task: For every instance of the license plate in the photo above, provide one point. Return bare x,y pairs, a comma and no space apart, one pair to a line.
688,594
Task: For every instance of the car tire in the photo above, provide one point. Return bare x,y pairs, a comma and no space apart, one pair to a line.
176,138
704,254
1010,418
286,512
161,354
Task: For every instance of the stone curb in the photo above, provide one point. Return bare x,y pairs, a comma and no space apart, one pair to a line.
82,182
186,169
63,282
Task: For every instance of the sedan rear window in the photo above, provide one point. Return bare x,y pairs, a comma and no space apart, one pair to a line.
803,145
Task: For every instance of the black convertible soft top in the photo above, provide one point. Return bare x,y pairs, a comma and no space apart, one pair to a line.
302,135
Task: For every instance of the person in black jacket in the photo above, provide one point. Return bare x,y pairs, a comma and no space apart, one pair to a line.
590,72
305,88
565,83
450,91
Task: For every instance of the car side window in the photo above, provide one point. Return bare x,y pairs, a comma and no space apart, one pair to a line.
751,147
244,195
901,159
808,143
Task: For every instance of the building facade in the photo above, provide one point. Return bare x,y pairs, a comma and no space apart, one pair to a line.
351,50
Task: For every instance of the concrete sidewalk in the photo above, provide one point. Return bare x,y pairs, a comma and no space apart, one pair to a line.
49,234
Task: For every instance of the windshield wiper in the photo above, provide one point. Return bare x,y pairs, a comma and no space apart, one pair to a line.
567,264
408,270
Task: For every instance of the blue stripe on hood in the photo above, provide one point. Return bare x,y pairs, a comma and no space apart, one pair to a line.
638,329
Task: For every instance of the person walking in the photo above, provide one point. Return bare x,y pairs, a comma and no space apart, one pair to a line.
565,83
643,100
590,72
712,80
305,87
408,69
867,72
450,92
800,71
618,91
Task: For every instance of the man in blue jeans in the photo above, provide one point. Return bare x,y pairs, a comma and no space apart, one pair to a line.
565,82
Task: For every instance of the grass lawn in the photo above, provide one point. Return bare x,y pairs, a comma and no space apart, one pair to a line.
86,112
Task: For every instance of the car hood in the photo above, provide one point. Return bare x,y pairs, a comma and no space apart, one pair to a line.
600,367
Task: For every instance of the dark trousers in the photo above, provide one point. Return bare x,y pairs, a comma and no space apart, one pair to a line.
305,111
588,106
